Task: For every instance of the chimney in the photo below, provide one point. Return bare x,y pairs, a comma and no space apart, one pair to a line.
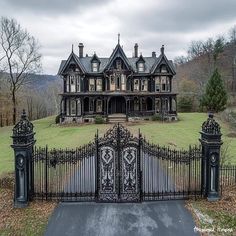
81,49
136,50
162,49
154,54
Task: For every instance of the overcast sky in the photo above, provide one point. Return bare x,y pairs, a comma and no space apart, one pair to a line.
58,24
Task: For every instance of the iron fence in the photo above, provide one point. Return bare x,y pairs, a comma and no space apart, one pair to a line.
64,174
227,175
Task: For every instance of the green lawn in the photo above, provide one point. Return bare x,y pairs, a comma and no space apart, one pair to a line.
181,134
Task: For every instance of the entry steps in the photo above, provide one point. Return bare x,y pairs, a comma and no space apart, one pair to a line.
116,118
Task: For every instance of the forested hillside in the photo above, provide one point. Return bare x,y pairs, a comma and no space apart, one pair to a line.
194,70
39,97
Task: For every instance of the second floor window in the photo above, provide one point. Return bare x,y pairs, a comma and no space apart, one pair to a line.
157,84
136,85
78,84
68,84
94,66
144,85
165,84
91,85
72,83
99,84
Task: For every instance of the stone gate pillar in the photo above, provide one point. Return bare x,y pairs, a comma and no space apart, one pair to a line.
211,143
23,142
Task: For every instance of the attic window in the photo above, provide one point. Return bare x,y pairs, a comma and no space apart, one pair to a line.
118,64
140,67
163,68
94,66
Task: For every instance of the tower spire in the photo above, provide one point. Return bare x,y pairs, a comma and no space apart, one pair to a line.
72,48
118,38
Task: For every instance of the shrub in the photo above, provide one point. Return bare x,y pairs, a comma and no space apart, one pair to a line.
98,120
156,117
57,119
185,104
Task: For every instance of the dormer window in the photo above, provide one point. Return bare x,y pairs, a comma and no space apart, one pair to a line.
140,67
94,66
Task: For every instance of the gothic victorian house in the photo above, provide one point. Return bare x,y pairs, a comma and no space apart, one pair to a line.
129,87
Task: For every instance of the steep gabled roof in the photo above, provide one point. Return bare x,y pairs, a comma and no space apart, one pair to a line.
65,63
159,60
141,58
95,58
118,52
151,63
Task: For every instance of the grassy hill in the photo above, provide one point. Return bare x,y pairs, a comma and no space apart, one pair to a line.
177,135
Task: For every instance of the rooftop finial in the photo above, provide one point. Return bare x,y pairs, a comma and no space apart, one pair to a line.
118,38
72,48
162,49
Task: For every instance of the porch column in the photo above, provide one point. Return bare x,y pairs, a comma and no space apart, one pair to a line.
108,99
153,105
170,102
82,106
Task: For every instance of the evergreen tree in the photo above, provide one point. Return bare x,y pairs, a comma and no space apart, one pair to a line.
215,97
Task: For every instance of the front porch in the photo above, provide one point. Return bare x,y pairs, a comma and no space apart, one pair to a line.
84,108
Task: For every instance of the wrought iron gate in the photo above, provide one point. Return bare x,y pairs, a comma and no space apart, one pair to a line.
118,166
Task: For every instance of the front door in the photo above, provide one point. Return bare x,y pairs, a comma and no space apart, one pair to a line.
117,105
118,168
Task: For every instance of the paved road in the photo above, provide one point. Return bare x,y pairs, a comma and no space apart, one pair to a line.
111,219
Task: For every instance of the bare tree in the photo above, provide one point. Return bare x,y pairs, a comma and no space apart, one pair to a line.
21,56
232,34
195,49
181,60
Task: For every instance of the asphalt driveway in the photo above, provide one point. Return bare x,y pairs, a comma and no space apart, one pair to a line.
118,219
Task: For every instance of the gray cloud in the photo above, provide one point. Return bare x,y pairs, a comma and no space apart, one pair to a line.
53,6
59,23
180,16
